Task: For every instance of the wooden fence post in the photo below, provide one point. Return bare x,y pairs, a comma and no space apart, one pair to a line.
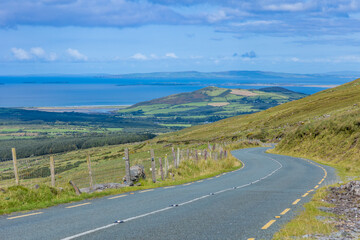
161,170
88,160
174,156
205,155
178,157
13,150
127,167
153,167
52,171
196,156
166,165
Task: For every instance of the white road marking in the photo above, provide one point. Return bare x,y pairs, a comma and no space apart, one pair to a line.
168,208
90,231
149,190
78,205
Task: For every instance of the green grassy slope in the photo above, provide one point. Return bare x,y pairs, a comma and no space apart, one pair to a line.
275,121
210,104
324,126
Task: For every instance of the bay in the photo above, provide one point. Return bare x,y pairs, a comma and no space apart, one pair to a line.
53,95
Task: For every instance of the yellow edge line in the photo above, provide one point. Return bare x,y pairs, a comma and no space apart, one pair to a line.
251,239
305,195
169,187
26,215
285,211
187,184
79,205
316,186
266,226
118,196
149,190
296,201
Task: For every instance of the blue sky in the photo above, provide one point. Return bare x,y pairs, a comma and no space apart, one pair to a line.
127,36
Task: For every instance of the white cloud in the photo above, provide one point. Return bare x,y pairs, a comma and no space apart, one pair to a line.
38,52
52,57
20,54
171,55
287,7
255,23
218,16
154,56
75,54
139,56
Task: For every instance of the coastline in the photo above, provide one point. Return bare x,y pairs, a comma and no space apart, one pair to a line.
79,109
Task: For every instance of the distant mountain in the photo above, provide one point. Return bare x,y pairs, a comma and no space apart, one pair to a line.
210,104
241,77
224,78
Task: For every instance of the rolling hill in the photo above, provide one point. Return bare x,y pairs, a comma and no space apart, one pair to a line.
210,104
324,126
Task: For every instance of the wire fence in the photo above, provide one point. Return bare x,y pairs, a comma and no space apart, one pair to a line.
56,170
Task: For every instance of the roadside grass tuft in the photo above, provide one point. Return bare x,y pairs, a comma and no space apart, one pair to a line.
307,222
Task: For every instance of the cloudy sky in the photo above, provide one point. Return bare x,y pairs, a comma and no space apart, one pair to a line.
126,36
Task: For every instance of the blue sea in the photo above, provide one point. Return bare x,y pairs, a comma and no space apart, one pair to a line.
63,93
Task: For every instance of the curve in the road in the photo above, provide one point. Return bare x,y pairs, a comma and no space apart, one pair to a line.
251,203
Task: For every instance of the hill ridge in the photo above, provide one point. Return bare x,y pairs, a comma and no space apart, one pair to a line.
210,104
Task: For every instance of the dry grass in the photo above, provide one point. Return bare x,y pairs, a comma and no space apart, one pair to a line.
243,93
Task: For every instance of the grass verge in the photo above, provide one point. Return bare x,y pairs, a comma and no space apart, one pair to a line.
21,198
310,221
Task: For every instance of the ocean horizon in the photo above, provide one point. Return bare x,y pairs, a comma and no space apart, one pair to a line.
71,95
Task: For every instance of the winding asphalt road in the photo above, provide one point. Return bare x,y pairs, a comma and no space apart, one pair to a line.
250,203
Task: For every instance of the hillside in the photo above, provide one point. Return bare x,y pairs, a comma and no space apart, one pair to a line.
324,126
210,104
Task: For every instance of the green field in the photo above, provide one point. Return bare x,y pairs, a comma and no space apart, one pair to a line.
37,132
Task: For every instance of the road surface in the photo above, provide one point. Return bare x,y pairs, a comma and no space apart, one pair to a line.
250,203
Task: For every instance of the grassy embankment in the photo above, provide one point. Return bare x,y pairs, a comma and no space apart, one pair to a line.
324,127
107,168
